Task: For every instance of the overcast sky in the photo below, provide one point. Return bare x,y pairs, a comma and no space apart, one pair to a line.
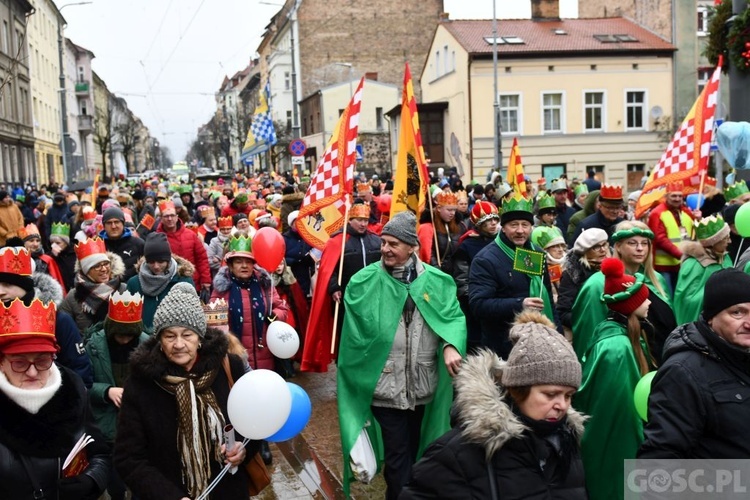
167,58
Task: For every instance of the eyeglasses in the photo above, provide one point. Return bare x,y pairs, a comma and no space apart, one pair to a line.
636,244
600,246
100,266
169,216
41,363
610,208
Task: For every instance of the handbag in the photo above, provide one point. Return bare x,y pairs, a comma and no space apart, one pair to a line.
258,476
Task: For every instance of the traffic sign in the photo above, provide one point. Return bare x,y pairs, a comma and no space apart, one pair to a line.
360,154
298,160
297,147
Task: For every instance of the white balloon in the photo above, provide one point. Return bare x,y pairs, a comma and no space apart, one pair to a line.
282,340
259,404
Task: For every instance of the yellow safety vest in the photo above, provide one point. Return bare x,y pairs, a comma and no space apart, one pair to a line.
661,257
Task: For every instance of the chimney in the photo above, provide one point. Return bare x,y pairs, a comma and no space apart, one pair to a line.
545,10
371,75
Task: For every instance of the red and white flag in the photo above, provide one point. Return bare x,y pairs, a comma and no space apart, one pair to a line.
686,157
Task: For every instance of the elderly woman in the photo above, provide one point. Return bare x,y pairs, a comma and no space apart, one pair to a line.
516,434
174,408
700,260
98,274
158,272
44,413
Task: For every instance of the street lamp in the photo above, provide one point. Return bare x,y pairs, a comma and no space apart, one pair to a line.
349,74
63,105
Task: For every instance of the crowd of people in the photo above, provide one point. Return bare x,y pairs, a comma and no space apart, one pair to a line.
489,346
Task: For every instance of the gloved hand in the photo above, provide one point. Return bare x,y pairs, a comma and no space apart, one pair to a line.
80,487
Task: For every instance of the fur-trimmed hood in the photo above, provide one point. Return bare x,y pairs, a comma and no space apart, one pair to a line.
576,267
184,266
292,198
116,263
222,280
697,251
47,289
149,362
481,409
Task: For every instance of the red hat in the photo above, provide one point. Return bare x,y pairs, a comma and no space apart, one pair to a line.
622,293
28,329
611,193
483,211
675,187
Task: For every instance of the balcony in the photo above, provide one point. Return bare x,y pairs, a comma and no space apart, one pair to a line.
85,123
82,88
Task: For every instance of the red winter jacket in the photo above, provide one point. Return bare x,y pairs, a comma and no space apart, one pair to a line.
187,245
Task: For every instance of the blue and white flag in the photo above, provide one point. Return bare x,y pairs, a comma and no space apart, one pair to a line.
262,134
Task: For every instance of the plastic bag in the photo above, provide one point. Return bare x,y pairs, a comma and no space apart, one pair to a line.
733,139
362,458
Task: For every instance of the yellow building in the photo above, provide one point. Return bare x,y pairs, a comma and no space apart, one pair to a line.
578,94
45,72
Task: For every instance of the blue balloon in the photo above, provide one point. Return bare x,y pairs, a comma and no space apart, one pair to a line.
695,201
298,417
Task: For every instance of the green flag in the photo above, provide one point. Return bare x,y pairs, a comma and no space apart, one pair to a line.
528,261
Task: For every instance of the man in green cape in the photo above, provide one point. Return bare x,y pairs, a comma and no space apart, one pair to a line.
404,335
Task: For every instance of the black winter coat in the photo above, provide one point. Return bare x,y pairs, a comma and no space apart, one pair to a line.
573,278
146,454
45,439
129,247
699,405
298,259
360,251
524,464
496,294
465,253
595,220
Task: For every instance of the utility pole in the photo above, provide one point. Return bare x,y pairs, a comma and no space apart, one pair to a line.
739,83
497,146
295,110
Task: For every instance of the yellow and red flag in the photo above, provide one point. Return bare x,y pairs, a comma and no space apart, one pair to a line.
323,208
686,157
516,178
411,177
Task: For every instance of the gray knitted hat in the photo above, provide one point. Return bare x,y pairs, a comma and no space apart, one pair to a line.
181,307
540,355
403,226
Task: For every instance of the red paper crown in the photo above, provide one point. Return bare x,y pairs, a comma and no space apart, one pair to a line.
359,211
31,326
15,260
125,308
710,181
166,205
29,230
363,187
89,213
192,226
225,222
91,246
609,192
675,187
446,199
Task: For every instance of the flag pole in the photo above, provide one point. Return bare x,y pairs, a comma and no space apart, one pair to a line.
434,226
341,272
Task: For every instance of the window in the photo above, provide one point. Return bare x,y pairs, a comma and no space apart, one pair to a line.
81,74
437,64
594,111
433,136
552,107
379,118
445,59
288,121
635,103
636,171
553,171
84,108
510,106
702,21
287,80
453,60
704,74
24,114
19,49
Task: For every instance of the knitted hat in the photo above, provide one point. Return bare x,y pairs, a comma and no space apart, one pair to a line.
588,239
181,307
113,213
622,293
724,289
156,248
540,355
403,226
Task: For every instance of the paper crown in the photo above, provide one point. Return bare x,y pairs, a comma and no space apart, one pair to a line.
184,190
15,260
483,211
446,199
559,185
610,193
541,181
166,205
581,189
91,246
548,236
192,226
675,187
240,246
204,210
461,195
363,187
217,313
546,202
735,190
60,229
710,181
28,232
359,211
125,308
708,227
89,213
225,222
518,203
240,198
29,328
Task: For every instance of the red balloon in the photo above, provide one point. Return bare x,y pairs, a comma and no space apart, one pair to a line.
268,248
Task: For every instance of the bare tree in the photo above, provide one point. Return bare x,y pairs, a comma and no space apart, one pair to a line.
103,132
127,137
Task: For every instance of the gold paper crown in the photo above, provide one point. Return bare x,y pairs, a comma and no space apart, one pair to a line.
461,195
29,231
363,187
359,211
446,199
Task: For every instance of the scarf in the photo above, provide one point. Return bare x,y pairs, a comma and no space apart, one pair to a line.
536,284
257,306
406,274
32,400
556,437
92,296
200,425
152,284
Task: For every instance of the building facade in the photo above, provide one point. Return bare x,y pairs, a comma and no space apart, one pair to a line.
79,91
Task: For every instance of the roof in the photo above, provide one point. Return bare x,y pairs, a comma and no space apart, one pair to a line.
566,36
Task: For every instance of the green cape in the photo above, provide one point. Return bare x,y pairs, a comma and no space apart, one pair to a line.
374,301
688,294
